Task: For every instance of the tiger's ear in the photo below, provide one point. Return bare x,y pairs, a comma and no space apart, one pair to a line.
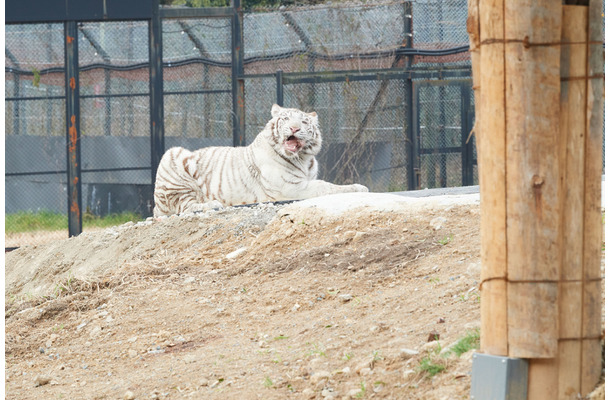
275,110
313,114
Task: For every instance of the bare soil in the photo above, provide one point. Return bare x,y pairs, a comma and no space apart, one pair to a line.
265,302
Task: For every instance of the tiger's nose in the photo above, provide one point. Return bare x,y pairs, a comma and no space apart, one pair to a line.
294,129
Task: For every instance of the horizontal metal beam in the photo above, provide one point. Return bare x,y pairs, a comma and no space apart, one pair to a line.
210,91
349,76
85,171
35,98
249,60
90,96
105,96
82,171
453,82
39,11
405,51
207,12
461,70
36,173
441,150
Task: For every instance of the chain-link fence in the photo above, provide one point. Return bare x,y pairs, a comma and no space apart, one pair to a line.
197,82
375,74
381,121
35,151
389,81
114,121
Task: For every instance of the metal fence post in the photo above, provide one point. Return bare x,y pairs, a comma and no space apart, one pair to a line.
237,72
279,87
467,145
417,133
75,218
442,96
157,127
410,148
442,135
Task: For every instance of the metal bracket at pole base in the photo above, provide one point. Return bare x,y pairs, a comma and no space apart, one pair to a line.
498,378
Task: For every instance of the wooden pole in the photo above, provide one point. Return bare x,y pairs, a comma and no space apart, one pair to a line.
491,141
538,81
531,57
591,326
559,375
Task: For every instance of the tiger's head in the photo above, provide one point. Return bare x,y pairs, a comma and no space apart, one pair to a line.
295,133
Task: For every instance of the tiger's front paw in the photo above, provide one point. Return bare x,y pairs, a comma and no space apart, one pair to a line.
359,188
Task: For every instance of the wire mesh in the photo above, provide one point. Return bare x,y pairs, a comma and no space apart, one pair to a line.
197,82
365,122
362,124
258,112
323,38
443,112
115,118
35,152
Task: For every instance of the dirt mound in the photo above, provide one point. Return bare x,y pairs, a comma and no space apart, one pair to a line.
98,256
298,301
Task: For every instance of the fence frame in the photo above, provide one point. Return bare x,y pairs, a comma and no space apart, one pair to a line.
422,78
466,148
39,11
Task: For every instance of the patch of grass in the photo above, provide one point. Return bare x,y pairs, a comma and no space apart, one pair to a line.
316,350
446,240
378,385
362,390
64,287
281,337
470,294
430,367
27,221
267,382
434,280
472,340
432,364
436,360
348,356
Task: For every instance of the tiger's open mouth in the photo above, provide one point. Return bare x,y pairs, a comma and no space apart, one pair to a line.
292,144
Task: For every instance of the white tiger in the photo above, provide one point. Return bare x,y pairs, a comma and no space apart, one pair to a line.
279,165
